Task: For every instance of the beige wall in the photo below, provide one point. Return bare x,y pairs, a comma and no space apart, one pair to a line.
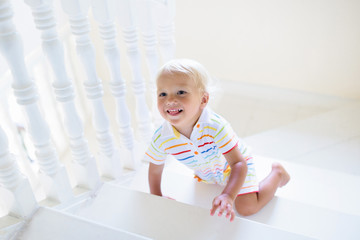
310,45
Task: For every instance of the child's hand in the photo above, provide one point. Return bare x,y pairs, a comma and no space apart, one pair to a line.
223,203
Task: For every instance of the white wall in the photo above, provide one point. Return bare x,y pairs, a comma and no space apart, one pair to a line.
309,45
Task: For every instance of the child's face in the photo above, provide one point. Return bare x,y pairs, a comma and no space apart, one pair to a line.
180,102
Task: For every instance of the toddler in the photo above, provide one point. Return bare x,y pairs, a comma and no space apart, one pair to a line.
206,143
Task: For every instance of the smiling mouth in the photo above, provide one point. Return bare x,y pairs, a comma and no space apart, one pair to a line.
174,111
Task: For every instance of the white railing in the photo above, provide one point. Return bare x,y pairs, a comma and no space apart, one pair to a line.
154,21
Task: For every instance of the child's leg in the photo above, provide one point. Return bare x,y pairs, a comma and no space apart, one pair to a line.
251,203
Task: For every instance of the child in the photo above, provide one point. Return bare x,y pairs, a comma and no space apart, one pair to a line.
197,137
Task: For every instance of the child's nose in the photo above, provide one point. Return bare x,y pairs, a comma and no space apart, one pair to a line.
171,100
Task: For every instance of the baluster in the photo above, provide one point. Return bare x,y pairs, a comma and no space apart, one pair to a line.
84,165
126,21
147,25
104,13
54,176
109,159
18,128
24,202
165,15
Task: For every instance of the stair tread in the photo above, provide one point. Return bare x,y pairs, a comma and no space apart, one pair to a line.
160,218
48,223
317,200
309,220
310,185
316,186
314,140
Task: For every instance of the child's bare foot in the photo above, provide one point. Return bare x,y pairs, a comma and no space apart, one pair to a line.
285,177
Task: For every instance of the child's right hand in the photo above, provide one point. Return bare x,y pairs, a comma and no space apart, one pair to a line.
224,204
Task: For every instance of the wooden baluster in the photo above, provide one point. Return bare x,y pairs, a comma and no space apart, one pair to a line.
54,176
104,13
125,12
109,157
24,202
14,126
84,165
147,24
165,14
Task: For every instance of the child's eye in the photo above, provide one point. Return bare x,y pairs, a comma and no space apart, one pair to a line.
181,92
162,94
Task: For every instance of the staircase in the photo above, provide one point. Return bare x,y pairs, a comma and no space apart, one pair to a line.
318,203
316,139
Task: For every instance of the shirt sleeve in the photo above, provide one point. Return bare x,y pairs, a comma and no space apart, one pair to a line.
154,154
225,138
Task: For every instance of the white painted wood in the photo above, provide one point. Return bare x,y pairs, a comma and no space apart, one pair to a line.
309,220
23,201
145,16
53,174
311,197
24,162
165,17
317,186
9,225
109,160
313,140
147,26
51,224
85,170
162,218
104,13
125,15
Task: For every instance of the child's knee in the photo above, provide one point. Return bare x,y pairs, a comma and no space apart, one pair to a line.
247,204
247,209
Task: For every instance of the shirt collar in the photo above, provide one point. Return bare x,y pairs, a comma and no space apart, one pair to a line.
169,131
205,116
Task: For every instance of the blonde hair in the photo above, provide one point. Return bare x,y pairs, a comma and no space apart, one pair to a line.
190,68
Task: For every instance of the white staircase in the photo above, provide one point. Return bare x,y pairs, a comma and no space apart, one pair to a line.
66,226
161,218
317,203
120,213
319,147
330,140
322,210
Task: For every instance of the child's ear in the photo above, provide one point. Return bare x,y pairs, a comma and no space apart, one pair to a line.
205,99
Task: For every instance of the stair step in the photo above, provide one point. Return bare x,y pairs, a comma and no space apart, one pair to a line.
55,225
315,186
309,220
307,200
162,218
8,226
330,140
268,107
310,185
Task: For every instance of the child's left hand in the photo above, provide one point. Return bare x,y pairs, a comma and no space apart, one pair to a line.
223,203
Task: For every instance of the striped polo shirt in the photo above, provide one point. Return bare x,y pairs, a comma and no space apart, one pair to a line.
211,137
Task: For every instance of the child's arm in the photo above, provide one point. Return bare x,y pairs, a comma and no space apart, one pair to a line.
224,202
155,173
